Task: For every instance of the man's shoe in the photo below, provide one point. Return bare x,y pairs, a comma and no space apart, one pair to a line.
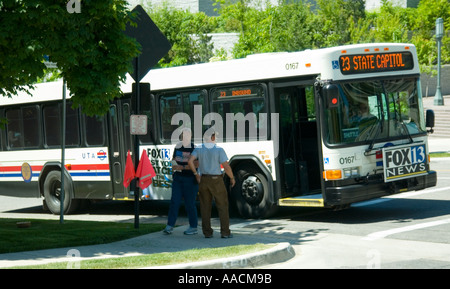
228,236
191,231
168,230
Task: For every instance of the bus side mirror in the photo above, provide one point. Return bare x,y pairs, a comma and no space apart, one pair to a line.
429,120
331,94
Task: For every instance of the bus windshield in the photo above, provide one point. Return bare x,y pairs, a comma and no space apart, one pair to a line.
368,111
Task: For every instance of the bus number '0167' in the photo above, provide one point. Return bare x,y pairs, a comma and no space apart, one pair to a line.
291,66
347,160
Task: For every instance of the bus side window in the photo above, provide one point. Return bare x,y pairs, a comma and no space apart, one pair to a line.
147,109
95,131
243,110
72,126
2,129
31,126
52,125
14,135
183,102
23,127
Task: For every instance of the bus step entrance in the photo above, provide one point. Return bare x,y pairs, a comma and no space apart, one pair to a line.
302,201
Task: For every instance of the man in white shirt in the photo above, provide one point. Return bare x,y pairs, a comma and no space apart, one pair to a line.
211,184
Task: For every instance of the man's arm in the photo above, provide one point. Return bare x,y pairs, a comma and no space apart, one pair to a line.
191,165
229,172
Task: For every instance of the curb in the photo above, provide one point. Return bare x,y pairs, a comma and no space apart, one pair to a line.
279,253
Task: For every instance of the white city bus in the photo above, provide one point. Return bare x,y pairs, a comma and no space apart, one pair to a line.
320,128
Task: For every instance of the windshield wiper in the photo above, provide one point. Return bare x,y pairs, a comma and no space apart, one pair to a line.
380,122
372,143
398,112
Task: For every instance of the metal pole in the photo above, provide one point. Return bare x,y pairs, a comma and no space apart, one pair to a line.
136,149
438,99
63,157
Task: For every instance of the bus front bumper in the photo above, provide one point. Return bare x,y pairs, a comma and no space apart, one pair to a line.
342,195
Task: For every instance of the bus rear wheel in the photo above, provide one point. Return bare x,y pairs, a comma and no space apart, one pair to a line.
52,194
250,194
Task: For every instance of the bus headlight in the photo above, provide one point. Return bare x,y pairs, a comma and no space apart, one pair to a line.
351,172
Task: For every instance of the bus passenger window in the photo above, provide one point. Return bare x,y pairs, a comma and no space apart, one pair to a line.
52,126
95,135
15,136
243,110
31,126
184,102
147,110
23,127
72,126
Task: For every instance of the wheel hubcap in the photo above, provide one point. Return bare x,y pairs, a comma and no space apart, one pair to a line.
252,190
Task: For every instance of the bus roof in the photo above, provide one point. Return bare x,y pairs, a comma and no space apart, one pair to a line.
274,65
49,91
324,63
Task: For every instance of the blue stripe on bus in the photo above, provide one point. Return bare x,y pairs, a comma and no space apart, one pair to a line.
93,174
87,174
15,175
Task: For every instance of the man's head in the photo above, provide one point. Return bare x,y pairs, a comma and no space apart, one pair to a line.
210,135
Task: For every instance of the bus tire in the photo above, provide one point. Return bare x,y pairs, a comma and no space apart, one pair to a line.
52,191
250,195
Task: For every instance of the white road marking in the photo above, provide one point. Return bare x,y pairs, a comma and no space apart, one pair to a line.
383,234
399,196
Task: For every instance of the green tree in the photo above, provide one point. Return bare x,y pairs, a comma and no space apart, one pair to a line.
334,20
90,48
292,26
254,26
423,25
188,33
284,27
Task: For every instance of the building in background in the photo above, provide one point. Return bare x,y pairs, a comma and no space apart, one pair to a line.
376,4
207,6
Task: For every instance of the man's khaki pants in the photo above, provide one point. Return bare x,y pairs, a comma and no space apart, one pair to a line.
213,187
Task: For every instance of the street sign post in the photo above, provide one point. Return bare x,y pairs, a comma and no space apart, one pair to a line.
154,46
50,64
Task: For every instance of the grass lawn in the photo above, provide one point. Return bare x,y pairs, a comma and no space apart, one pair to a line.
440,155
48,234
158,259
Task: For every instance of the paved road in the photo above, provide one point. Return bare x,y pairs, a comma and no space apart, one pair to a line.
410,230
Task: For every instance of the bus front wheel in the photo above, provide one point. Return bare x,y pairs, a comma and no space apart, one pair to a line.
52,194
251,193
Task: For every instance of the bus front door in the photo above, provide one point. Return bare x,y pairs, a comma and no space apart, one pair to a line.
120,141
299,151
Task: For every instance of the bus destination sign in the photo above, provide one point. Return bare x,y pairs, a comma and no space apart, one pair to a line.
375,62
238,92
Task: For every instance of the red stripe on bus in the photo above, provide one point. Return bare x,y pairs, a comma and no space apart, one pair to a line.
68,167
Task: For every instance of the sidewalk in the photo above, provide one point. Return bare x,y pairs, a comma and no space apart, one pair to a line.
159,243
438,144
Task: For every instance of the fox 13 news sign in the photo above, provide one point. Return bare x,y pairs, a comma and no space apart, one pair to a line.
401,162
